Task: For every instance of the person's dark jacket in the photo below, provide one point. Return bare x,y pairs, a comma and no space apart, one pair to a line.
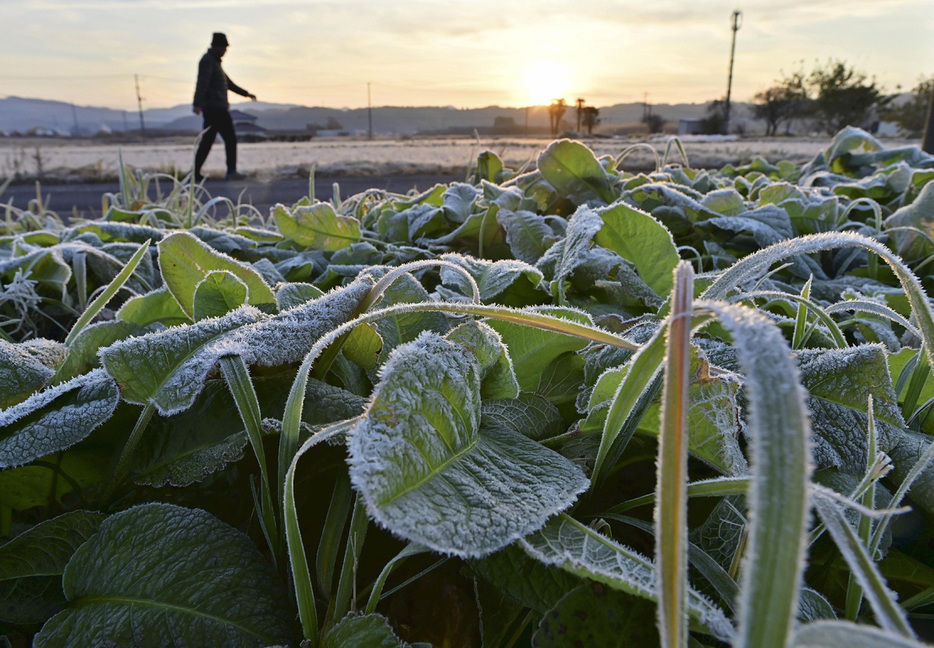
213,84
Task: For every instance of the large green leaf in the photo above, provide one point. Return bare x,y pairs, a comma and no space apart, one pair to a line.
32,564
840,383
641,239
571,168
532,350
185,262
431,472
217,294
371,630
57,418
317,226
158,575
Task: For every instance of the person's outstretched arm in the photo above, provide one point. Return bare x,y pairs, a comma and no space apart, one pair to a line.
233,87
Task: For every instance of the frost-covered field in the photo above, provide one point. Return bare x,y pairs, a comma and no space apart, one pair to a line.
77,160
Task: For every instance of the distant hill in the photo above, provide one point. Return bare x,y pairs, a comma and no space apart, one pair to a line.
22,115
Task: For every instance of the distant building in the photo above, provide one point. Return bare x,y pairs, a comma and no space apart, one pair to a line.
245,124
690,127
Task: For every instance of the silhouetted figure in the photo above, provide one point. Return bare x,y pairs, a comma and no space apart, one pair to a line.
211,102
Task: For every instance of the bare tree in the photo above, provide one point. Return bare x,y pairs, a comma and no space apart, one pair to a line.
555,112
782,103
590,118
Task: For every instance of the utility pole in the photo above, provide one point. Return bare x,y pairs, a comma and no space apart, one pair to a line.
580,113
369,111
737,23
927,141
139,102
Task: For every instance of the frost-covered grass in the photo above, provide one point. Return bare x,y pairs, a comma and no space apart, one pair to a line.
570,404
76,160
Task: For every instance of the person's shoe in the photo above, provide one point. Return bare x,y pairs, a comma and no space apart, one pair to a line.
199,177
234,175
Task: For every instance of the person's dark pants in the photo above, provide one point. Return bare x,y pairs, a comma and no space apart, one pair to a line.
217,121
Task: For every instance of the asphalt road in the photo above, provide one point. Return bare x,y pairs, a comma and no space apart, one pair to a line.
85,199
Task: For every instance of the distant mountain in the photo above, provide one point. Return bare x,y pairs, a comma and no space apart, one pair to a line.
22,115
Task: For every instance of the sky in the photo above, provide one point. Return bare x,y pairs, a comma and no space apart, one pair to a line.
466,54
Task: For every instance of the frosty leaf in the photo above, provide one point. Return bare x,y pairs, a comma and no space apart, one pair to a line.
371,630
571,168
217,294
168,369
641,239
430,473
57,418
82,352
26,367
295,294
840,383
317,226
363,346
727,202
492,278
529,414
185,262
32,564
909,223
563,257
405,327
568,544
845,634
527,234
159,575
459,199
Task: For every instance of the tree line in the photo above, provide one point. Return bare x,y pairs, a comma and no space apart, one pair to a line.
835,95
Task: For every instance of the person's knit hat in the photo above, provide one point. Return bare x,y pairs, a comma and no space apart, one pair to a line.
219,40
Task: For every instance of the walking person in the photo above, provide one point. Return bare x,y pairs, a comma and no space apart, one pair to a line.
211,103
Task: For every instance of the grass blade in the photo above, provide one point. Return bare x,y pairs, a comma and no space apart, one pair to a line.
887,611
778,498
98,304
671,553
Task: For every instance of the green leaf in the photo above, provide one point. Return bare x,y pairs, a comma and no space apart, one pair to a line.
528,234
160,575
156,306
217,294
532,350
529,414
46,482
489,166
168,369
370,630
566,543
57,418
641,239
295,294
431,473
185,262
26,367
595,615
317,226
497,379
840,383
843,634
32,564
83,352
529,582
571,168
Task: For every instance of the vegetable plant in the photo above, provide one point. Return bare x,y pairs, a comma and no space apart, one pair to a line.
562,406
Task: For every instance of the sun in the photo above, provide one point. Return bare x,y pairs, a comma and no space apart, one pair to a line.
544,81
